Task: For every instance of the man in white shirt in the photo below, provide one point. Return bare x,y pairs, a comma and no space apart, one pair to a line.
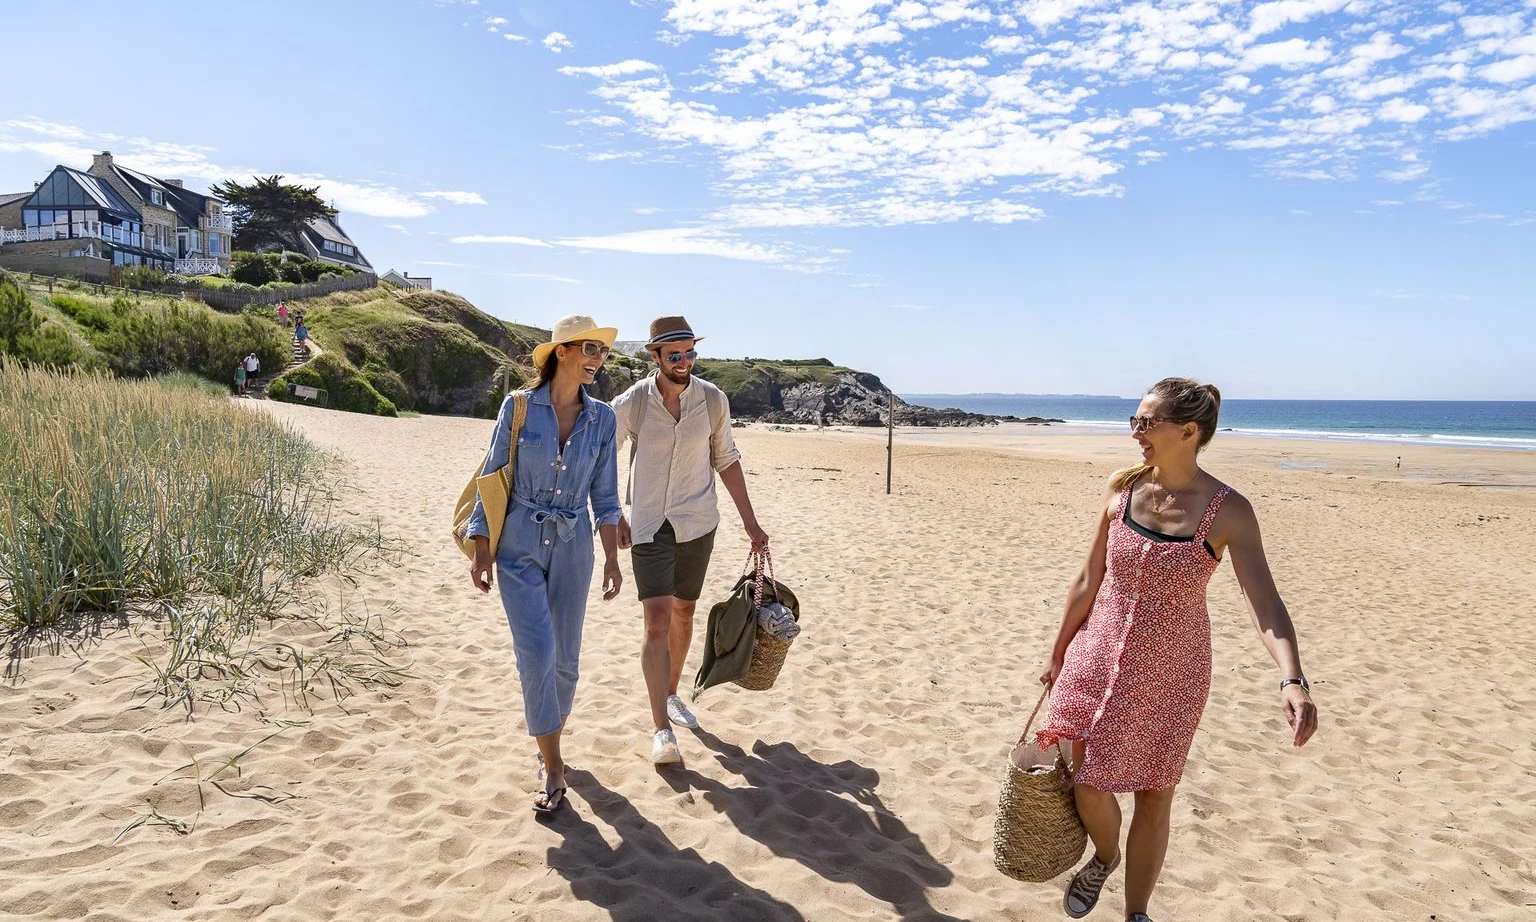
680,429
252,366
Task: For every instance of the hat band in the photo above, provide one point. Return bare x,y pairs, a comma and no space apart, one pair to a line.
674,336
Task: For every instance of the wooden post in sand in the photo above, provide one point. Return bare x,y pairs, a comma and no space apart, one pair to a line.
890,441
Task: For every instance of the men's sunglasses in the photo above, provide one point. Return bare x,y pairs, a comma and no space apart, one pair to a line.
592,349
674,357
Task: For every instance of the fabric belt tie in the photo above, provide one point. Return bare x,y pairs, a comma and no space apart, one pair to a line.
565,519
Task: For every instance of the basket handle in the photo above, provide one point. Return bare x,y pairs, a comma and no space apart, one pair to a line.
1032,714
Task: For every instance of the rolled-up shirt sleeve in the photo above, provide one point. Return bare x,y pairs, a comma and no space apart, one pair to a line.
495,460
605,481
722,445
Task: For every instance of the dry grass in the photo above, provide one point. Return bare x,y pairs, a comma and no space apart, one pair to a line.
162,501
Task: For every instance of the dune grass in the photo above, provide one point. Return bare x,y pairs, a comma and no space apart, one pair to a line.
159,498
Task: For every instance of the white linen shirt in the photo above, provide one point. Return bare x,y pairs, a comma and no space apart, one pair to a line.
673,462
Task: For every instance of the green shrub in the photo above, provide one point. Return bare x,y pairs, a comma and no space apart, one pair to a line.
345,387
315,270
17,319
84,312
255,269
142,278
291,272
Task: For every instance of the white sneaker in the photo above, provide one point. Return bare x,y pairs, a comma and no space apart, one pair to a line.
678,713
664,749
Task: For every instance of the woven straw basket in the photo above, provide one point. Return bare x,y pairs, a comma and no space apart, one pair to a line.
1038,833
768,654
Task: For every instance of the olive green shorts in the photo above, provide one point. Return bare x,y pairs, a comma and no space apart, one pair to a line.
664,567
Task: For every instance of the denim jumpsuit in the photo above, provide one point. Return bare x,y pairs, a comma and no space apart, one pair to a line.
544,561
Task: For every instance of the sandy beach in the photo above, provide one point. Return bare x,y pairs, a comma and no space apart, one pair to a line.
863,786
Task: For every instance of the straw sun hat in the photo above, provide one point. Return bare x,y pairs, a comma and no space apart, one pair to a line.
574,328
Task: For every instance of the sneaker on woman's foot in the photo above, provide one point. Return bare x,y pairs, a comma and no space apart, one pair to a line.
1138,917
678,713
1084,887
664,748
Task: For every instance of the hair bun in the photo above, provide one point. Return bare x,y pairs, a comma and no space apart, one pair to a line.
1215,392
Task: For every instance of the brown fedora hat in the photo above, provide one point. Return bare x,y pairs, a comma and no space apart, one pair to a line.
670,330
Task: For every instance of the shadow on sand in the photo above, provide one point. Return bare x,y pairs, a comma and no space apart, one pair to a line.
827,817
646,877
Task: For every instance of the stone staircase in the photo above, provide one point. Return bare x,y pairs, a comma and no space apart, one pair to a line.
304,351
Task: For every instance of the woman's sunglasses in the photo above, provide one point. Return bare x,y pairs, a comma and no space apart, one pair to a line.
674,357
592,349
1142,423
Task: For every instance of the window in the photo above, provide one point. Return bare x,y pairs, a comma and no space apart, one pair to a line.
330,246
155,198
346,250
213,244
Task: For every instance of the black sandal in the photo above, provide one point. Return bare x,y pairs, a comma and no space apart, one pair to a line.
547,802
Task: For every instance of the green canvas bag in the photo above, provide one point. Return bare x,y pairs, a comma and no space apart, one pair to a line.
732,629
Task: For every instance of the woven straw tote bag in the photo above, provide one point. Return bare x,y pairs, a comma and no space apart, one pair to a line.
768,651
1038,833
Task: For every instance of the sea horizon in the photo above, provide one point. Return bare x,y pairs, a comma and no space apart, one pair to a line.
1498,424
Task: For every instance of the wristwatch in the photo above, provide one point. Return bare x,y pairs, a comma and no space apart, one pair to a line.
1305,685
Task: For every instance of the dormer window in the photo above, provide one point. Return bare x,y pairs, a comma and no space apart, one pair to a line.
156,197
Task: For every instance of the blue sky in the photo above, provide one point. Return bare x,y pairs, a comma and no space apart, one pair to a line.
1303,198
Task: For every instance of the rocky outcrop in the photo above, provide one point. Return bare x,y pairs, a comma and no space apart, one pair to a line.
845,398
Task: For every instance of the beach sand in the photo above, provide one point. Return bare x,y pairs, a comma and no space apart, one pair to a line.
863,786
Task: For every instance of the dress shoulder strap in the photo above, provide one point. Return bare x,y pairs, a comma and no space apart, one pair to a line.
1125,497
1210,514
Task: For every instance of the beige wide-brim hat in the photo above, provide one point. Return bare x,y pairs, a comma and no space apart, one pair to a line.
574,328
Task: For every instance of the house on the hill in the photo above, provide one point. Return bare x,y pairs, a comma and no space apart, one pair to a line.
192,225
72,213
113,213
406,280
325,241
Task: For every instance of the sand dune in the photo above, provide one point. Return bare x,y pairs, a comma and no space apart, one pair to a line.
862,787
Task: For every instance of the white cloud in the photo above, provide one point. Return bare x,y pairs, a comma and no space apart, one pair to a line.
1401,110
399,227
502,238
1511,70
622,69
874,112
681,241
543,277
514,37
557,42
456,198
1292,53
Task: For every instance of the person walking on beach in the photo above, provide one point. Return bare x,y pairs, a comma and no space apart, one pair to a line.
282,313
565,462
252,366
240,378
1131,665
680,430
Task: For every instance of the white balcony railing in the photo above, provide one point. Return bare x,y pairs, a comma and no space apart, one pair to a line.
197,266
34,234
221,222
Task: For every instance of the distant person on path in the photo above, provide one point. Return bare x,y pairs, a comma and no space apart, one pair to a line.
1131,666
566,462
1399,462
252,365
282,313
240,379
680,427
301,333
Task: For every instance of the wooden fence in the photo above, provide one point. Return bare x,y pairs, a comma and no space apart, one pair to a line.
61,269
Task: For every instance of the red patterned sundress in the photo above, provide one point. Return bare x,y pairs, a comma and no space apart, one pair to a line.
1135,679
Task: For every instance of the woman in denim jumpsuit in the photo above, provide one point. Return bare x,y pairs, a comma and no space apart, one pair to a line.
565,461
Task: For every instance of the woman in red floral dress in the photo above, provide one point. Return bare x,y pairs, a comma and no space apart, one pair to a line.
1131,666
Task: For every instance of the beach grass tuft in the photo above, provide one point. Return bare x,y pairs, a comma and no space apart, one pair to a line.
161,498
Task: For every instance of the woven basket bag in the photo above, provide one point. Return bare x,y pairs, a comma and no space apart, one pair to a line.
1038,833
768,651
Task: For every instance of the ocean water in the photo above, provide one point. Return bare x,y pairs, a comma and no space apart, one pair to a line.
1509,424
